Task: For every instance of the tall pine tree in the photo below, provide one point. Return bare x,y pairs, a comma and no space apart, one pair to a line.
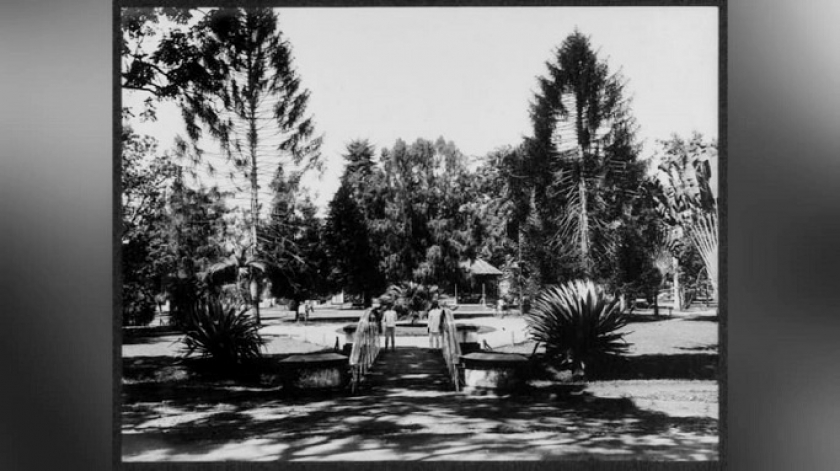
250,101
582,166
354,260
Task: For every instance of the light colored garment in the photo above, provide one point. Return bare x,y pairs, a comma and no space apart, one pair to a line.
433,323
389,319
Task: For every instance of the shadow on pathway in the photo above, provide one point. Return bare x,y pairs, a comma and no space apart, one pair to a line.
416,420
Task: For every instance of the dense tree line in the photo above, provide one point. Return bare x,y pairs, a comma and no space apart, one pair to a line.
404,217
230,72
572,200
171,231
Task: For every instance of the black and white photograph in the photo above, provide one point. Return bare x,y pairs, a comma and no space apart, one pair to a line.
358,234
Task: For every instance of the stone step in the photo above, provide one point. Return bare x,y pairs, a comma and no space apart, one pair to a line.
411,369
417,384
407,368
407,374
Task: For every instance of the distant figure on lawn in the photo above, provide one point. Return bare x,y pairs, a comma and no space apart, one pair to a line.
299,308
389,324
307,310
433,325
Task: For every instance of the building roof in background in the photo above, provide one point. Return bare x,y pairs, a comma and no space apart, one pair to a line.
480,267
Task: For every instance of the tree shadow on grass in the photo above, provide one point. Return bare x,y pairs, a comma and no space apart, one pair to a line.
571,423
689,366
709,347
151,339
190,414
702,318
153,330
640,318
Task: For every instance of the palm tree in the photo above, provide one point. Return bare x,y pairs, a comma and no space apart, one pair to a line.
246,271
687,198
664,263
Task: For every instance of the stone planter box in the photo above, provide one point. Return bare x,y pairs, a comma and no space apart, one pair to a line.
493,372
470,347
467,333
316,371
349,332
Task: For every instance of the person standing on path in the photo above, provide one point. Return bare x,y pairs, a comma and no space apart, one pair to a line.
433,325
389,322
307,310
376,313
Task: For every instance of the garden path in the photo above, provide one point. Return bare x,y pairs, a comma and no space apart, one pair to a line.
663,408
397,371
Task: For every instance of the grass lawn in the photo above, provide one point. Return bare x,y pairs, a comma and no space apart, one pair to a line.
661,404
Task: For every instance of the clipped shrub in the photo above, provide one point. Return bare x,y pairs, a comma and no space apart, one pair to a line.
578,323
224,332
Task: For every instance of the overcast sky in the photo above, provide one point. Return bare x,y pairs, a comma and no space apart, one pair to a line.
468,74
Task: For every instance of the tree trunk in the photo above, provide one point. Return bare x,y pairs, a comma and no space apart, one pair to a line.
255,297
656,303
677,297
519,288
584,225
252,142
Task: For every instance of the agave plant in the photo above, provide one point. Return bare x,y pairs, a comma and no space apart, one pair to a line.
221,331
578,323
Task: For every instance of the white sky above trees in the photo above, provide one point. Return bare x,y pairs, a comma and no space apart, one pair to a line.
469,74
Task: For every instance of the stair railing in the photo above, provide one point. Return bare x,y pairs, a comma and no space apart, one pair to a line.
365,348
451,348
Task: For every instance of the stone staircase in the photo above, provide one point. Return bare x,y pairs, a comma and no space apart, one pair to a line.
407,370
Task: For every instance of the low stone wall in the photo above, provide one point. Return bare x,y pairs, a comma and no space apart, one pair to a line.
468,333
318,371
493,372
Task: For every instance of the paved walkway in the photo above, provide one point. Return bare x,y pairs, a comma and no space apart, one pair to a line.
397,371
